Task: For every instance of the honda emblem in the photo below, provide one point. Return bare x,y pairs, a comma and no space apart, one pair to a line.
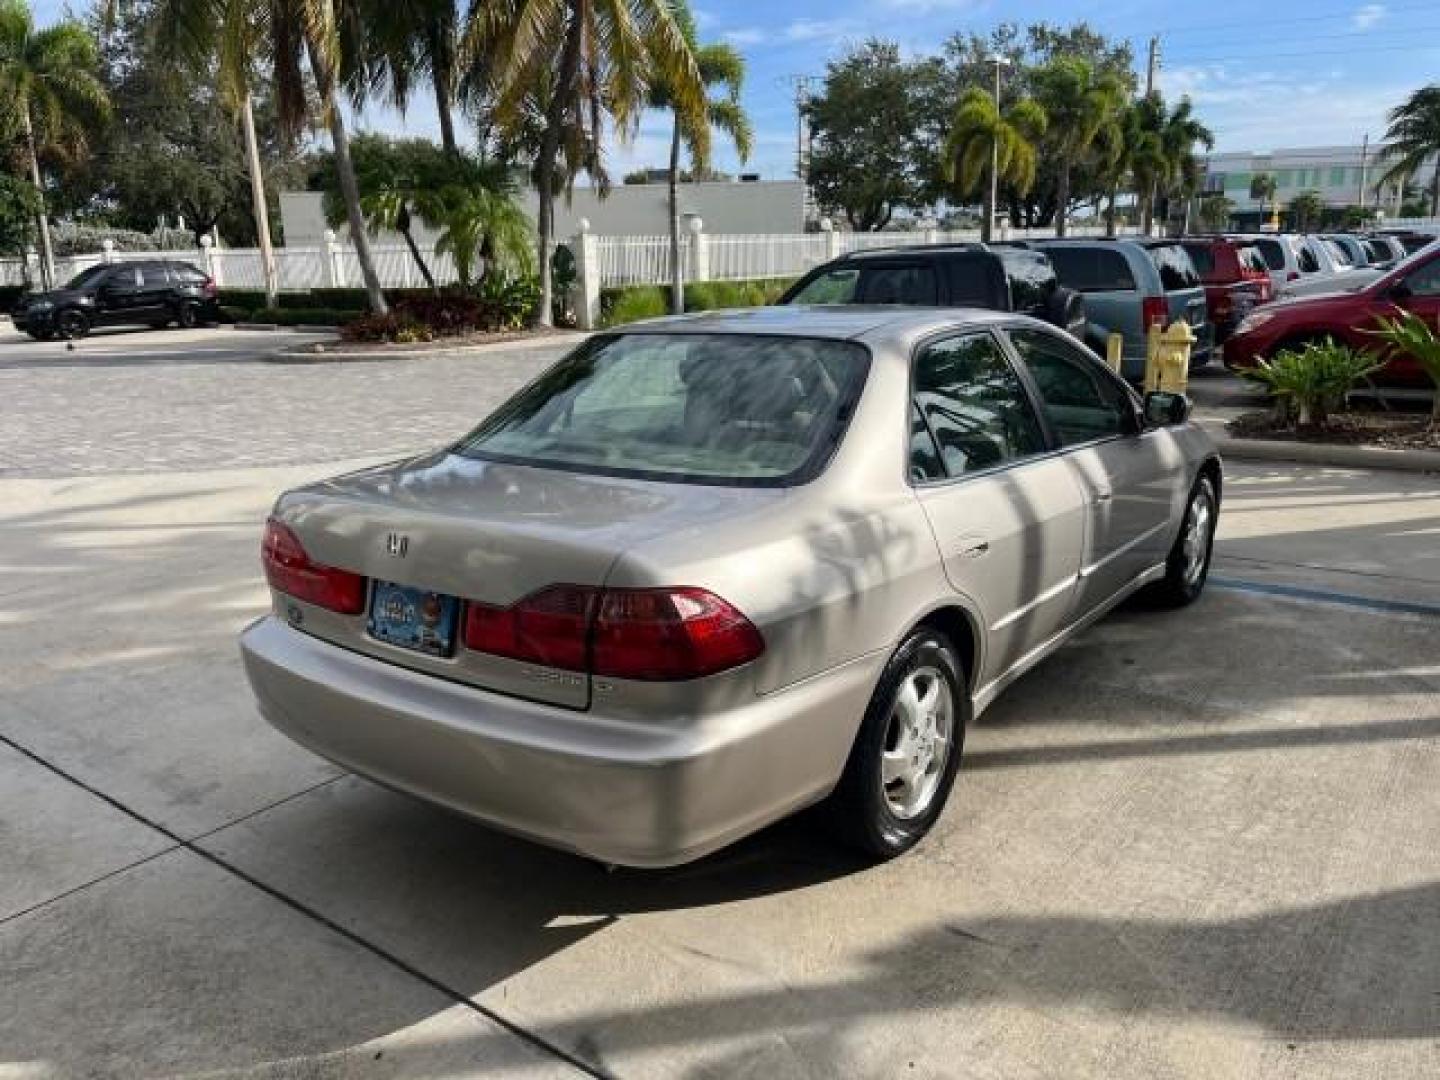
396,545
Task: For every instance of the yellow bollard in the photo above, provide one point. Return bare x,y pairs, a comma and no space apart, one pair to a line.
1167,361
1115,352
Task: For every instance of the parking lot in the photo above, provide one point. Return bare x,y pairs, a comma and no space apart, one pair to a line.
1192,844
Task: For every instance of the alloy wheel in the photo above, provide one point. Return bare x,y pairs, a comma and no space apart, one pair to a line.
918,742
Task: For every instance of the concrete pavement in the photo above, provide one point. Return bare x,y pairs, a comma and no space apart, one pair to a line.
1193,844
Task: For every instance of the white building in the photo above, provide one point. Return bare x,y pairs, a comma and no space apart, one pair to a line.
1343,175
629,210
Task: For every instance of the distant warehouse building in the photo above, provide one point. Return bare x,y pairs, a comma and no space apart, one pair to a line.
1343,175
629,210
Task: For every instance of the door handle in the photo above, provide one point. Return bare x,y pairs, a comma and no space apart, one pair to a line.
975,549
1104,496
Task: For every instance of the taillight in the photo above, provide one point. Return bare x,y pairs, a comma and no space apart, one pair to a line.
1154,310
662,634
1293,275
210,288
291,571
645,634
551,627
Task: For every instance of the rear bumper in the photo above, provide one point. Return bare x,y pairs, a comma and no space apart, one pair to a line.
629,792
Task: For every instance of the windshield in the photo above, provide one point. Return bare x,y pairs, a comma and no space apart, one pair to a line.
80,280
693,408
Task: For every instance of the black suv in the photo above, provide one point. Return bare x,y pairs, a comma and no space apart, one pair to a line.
948,275
155,292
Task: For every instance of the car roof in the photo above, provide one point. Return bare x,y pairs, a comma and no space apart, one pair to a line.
842,321
913,249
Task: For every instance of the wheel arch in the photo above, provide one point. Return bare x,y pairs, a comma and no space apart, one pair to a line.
960,625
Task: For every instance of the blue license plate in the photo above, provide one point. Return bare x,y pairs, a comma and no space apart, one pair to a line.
413,618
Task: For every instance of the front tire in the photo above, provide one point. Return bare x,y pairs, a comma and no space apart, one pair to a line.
1189,563
903,762
72,323
187,316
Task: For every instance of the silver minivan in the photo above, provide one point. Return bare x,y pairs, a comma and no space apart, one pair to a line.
1130,285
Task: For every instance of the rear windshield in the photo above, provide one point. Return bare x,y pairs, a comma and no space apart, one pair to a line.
693,408
1091,269
1273,252
1203,258
1176,269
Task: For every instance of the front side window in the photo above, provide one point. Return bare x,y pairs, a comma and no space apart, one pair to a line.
1306,259
1273,253
690,408
1081,401
974,405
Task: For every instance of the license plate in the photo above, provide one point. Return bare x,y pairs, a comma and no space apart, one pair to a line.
413,618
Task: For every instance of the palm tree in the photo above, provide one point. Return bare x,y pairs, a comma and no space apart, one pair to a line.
1306,209
1179,135
328,34
1263,187
720,65
1412,137
49,82
1123,146
1163,160
563,66
410,39
1078,103
980,132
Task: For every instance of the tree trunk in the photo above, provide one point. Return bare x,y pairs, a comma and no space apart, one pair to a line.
47,252
260,206
677,272
1435,191
402,226
987,218
1147,210
1062,198
349,186
1110,209
565,85
444,106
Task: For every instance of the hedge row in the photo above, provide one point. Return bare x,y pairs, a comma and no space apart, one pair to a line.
628,303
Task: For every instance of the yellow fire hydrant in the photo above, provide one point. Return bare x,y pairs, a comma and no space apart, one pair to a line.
1167,357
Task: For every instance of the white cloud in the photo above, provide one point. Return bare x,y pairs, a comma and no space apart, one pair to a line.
1367,16
745,36
820,30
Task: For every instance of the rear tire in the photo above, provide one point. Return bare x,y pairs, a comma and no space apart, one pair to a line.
187,316
1065,308
71,323
903,762
1189,563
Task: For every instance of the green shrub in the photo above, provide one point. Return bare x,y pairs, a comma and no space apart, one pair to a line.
242,299
1308,383
497,303
622,304
1410,335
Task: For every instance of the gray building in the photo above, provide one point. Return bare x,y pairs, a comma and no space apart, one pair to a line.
1343,175
629,210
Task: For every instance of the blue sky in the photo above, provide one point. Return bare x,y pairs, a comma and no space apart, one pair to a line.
1286,73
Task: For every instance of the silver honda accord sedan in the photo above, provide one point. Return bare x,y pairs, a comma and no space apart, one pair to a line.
707,570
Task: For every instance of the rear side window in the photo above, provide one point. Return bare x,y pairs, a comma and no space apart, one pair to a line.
1273,253
691,408
974,405
186,274
1176,269
1032,280
831,287
911,284
1091,269
1203,258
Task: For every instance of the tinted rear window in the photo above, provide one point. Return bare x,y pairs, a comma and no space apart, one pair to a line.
1032,279
1176,269
1091,269
186,274
1203,257
692,408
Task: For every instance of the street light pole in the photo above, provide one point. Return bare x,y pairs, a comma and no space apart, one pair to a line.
999,62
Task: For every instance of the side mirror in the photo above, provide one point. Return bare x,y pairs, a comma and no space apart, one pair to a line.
1163,409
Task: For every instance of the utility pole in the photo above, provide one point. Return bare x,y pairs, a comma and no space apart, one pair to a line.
992,211
800,88
1152,65
1364,167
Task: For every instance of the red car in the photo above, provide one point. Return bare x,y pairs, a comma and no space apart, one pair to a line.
1235,277
1413,284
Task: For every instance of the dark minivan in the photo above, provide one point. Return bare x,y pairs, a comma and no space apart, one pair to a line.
152,292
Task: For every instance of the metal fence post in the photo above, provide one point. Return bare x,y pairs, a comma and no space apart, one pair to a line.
334,266
832,239
107,251
586,299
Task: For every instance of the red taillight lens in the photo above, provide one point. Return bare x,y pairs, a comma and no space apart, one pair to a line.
551,627
210,288
1154,311
659,634
648,634
291,571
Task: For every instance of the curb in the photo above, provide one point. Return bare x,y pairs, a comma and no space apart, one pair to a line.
301,354
1341,457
